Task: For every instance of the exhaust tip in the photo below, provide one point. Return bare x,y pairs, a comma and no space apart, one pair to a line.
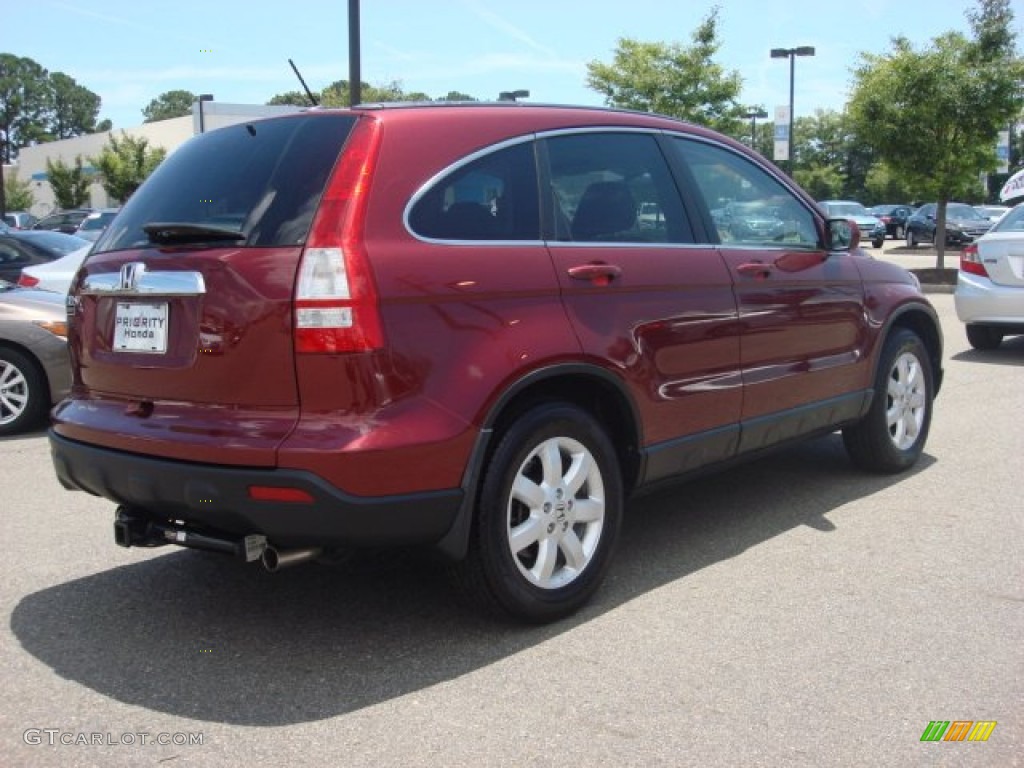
275,559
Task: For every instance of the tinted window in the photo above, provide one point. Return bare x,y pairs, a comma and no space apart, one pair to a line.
748,205
491,198
263,179
614,187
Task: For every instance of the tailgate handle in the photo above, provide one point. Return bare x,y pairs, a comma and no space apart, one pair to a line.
135,279
597,273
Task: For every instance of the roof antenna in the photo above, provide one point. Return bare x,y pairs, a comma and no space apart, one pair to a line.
305,87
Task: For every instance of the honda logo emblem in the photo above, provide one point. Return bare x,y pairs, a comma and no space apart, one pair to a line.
131,274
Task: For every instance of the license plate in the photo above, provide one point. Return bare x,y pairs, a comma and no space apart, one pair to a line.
140,327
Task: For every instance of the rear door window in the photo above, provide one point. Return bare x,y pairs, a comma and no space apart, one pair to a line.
263,179
613,188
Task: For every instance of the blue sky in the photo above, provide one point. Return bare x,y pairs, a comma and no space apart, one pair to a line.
128,52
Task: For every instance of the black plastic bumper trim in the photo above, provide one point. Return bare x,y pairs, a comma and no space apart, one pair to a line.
216,497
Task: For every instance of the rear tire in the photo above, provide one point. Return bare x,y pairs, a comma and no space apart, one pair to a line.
24,394
548,517
984,336
900,233
892,434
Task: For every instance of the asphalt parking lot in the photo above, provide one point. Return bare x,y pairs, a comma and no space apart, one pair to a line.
793,611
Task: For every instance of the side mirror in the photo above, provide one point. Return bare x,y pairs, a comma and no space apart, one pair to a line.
841,235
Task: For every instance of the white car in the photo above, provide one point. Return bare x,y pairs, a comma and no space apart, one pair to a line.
54,275
992,212
989,292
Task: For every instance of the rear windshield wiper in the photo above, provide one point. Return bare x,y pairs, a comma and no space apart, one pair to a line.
176,232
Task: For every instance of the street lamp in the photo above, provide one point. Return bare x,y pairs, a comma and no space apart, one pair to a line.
791,54
752,114
513,95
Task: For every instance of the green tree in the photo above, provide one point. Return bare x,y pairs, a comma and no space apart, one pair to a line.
125,163
19,193
822,182
70,184
672,79
883,185
73,108
456,96
336,95
290,98
933,115
24,101
169,104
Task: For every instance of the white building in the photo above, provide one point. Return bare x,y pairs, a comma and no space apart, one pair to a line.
168,134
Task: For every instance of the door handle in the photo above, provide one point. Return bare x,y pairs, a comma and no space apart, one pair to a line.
598,274
755,269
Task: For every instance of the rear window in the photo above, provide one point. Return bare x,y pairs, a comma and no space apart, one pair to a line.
263,179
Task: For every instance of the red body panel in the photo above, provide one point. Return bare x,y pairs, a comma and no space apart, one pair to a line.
804,330
667,325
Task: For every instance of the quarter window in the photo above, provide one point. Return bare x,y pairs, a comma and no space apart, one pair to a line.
491,198
748,206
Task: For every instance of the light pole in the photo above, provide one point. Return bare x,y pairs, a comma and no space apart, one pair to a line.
791,54
355,76
752,114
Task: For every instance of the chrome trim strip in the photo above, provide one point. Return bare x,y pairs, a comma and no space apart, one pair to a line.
148,284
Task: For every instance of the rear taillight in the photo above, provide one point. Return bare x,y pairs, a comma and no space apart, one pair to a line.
27,281
336,306
970,261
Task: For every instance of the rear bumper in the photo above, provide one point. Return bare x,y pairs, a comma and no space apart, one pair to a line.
217,498
978,300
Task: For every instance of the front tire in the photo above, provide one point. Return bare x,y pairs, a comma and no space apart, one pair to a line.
548,517
877,242
911,238
892,434
984,337
24,394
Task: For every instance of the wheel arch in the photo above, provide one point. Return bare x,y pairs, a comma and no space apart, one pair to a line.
922,320
587,386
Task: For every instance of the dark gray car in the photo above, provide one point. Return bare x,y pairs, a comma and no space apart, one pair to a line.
34,364
963,224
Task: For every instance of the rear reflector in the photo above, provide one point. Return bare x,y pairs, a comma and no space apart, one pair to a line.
970,261
274,493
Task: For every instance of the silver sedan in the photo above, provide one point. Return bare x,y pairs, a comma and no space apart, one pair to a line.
989,293
34,367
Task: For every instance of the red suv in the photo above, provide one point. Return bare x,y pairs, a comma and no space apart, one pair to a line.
474,327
